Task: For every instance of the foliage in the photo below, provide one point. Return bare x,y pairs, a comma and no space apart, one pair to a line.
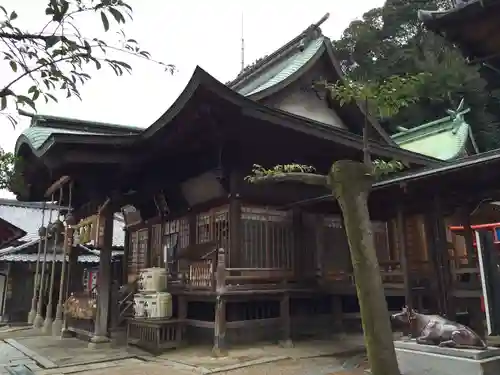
58,57
380,168
6,169
390,41
385,99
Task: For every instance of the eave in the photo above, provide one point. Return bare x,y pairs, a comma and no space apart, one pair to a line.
171,129
474,28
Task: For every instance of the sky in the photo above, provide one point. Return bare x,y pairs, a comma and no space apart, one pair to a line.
185,33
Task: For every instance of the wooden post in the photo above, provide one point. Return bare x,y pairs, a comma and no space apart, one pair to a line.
336,305
71,282
220,348
286,324
468,235
234,221
298,248
403,257
126,254
104,282
182,316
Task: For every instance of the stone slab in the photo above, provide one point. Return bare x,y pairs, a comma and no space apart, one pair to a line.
458,353
417,359
42,361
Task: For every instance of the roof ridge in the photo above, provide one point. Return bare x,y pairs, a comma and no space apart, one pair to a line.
21,204
446,119
260,63
76,124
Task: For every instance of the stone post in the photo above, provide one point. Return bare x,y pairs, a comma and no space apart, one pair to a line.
41,232
47,323
68,242
104,282
38,322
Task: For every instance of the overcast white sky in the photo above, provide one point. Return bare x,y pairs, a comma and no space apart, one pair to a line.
185,33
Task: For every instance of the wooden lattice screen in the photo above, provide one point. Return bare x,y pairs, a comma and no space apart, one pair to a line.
267,238
336,258
137,258
214,226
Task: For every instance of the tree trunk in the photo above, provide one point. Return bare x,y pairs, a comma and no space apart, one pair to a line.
351,182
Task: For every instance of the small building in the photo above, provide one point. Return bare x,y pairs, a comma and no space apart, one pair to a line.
19,261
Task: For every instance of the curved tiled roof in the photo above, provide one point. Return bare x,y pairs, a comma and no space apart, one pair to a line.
443,139
284,69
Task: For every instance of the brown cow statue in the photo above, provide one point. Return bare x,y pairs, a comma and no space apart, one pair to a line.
436,330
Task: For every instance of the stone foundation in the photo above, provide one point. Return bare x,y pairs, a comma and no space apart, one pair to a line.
416,359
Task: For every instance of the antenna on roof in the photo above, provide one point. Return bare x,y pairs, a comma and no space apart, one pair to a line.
242,44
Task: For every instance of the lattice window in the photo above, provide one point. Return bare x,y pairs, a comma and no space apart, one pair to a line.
213,226
267,238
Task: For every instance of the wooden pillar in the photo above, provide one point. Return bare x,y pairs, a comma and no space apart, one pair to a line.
220,346
286,324
298,248
126,254
73,281
403,256
182,305
104,282
234,221
336,307
468,235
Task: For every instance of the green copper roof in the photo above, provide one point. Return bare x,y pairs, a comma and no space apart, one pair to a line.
281,70
443,139
42,127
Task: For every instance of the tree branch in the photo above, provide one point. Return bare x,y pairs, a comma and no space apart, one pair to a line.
6,90
23,36
305,178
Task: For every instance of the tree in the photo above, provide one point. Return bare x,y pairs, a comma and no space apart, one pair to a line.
350,183
390,40
58,57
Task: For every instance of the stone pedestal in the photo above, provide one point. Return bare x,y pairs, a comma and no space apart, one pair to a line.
416,359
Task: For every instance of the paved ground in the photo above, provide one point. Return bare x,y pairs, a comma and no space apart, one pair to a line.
46,355
10,356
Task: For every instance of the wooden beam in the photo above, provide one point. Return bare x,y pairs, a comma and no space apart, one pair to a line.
57,185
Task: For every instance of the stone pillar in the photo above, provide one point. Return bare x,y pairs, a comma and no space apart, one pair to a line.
104,282
68,242
56,230
71,281
38,322
41,232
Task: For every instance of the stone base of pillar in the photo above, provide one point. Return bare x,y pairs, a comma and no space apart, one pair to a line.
31,316
66,333
47,325
286,343
57,326
98,342
38,321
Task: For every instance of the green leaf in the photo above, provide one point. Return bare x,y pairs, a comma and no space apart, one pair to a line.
117,15
25,100
3,105
13,66
105,21
51,41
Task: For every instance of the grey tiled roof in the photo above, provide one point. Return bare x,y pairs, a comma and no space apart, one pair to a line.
28,217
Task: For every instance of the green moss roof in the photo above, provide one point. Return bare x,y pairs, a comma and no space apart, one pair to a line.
443,139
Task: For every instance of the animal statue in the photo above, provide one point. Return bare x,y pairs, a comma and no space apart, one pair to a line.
436,330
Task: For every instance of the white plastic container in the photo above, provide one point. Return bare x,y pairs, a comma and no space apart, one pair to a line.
153,280
139,308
